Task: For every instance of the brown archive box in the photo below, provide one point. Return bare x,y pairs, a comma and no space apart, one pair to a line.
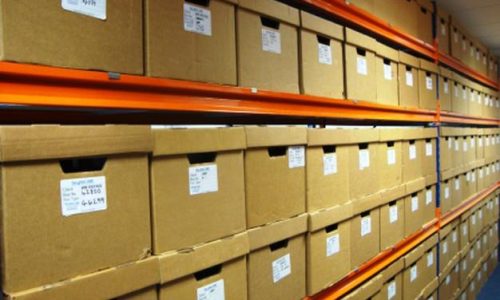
277,260
390,161
360,66
85,180
393,281
369,290
429,154
197,186
424,21
267,48
328,247
274,173
414,206
112,39
413,154
427,84
448,244
210,271
408,80
191,40
445,88
392,217
443,30
407,16
321,55
449,282
386,65
149,293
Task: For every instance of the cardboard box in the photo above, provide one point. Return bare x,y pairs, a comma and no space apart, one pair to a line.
277,260
108,45
429,210
215,268
424,21
274,173
449,283
327,171
443,30
446,148
322,64
365,235
430,292
456,191
369,290
408,80
415,203
445,88
360,72
413,155
386,64
390,158
392,217
429,151
267,49
328,247
196,174
407,16
448,245
427,83
459,99
149,293
464,230
455,40
464,267
393,281
205,40
79,177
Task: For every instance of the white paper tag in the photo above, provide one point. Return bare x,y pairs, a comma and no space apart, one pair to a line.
413,273
480,173
92,8
443,29
387,72
471,52
472,142
473,219
472,286
464,94
428,197
83,195
467,176
428,149
428,83
457,184
391,156
487,140
281,268
454,236
450,143
412,151
480,99
366,225
364,159
485,267
324,54
430,259
464,229
197,19
271,40
296,157
465,145
445,247
414,203
212,291
430,298
487,171
409,78
464,265
391,290
362,66
446,87
203,179
329,164
480,141
491,232
393,213
446,192
456,91
457,145
480,213
473,179
471,253
448,280
478,56
332,245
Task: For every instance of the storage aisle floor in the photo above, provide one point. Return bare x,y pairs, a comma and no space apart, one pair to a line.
492,288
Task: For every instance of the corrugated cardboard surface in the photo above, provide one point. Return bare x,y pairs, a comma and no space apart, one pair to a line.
323,218
365,247
356,38
267,136
413,166
408,95
115,44
193,56
149,293
367,290
387,89
391,233
360,86
363,181
390,174
427,97
273,9
265,235
445,95
322,26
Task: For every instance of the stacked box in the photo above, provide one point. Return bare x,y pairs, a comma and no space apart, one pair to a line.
392,217
416,214
449,245
408,80
427,83
390,157
424,21
450,282
446,84
386,64
369,289
393,281
443,30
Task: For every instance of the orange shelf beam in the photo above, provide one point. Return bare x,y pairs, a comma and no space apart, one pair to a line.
467,71
450,117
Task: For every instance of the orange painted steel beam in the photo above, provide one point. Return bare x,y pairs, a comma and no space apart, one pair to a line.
352,14
31,85
450,117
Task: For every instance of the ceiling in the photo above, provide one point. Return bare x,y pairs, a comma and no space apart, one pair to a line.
480,17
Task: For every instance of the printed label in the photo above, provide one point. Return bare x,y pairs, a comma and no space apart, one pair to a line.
329,164
332,245
387,72
324,54
391,156
464,94
448,280
413,273
450,143
393,213
203,179
281,268
457,184
471,253
428,82
413,151
362,66
428,197
83,195
271,40
480,141
91,8
457,145
464,229
467,176
454,236
446,192
428,149
213,291
409,78
445,247
446,87
197,19
465,145
472,142
464,265
473,177
480,214
296,157
366,225
414,203
364,159
391,290
430,259
473,219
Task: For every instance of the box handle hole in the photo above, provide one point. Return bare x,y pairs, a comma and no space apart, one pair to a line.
270,23
329,149
331,228
279,245
277,151
200,158
208,272
199,2
76,165
323,40
361,51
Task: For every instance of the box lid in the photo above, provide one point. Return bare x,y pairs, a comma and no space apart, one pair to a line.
325,136
184,141
387,52
392,134
367,203
451,131
321,26
37,142
265,235
273,9
408,59
415,186
430,288
367,290
356,38
430,179
428,66
393,193
326,217
393,269
445,72
267,136
177,264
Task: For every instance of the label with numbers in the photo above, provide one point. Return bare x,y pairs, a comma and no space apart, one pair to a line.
366,225
296,157
446,192
387,72
457,184
197,19
83,195
445,247
412,151
454,237
332,245
281,268
329,164
391,290
271,40
393,213
414,203
324,54
430,259
465,145
391,156
413,273
91,8
428,82
428,149
364,159
362,65
446,87
428,197
212,291
409,78
203,179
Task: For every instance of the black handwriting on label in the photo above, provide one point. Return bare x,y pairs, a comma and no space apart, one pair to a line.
89,2
94,189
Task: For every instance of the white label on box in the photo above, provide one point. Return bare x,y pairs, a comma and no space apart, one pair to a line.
457,184
467,176
487,141
387,72
430,298
480,99
454,236
485,267
446,87
428,197
487,171
446,192
430,259
445,247
413,151
364,159
457,145
491,232
456,91
391,156
414,203
92,8
448,280
428,82
472,142
212,291
83,195
455,37
480,142
471,253
197,19
464,265
478,55
362,66
296,157
481,173
271,40
324,54
366,225
329,164
332,245
443,29
473,177
471,52
479,275
203,179
464,229
281,268
428,149
480,214
472,97
473,219
409,78
464,94
393,213
413,273
391,290
465,146
450,143
464,45
473,286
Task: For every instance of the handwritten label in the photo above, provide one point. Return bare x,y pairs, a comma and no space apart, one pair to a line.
364,159
428,82
271,40
91,8
83,195
366,225
413,273
324,54
409,78
332,245
212,291
393,213
296,157
281,268
428,197
387,71
197,19
203,179
362,66
412,151
391,156
329,164
428,149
